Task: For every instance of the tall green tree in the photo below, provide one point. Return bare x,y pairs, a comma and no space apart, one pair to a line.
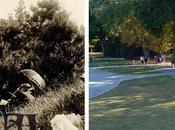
154,14
105,18
148,27
132,33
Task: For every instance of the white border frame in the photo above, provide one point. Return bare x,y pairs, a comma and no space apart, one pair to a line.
86,25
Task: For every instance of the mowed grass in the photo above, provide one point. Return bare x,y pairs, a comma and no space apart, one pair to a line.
141,104
100,62
96,54
108,62
133,70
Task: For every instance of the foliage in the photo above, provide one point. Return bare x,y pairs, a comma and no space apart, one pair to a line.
104,21
155,14
46,41
148,24
103,16
20,12
131,32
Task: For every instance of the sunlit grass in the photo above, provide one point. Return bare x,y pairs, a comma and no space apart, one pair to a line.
114,61
96,54
133,70
108,62
141,104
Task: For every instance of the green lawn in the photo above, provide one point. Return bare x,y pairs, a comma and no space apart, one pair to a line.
96,54
141,104
133,70
114,61
108,62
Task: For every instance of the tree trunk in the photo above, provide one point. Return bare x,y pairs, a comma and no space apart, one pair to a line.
102,46
144,52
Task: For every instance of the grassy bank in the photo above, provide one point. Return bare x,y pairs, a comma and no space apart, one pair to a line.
141,104
108,62
133,70
99,62
66,99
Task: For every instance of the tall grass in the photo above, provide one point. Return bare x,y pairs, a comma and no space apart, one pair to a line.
65,99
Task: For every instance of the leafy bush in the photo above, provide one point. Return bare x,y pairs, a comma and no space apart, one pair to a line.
45,42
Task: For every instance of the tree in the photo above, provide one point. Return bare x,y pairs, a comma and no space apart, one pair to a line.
144,23
20,12
104,21
154,14
62,40
132,33
47,42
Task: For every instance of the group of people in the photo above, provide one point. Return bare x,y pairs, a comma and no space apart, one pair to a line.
157,59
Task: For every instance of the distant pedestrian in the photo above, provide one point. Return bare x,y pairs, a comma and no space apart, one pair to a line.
145,59
155,59
142,60
173,62
133,62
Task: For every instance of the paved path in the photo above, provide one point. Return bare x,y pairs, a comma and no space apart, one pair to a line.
102,81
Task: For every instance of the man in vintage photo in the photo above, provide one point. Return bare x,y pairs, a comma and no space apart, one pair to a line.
41,65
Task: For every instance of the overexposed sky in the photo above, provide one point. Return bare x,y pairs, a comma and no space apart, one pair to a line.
74,7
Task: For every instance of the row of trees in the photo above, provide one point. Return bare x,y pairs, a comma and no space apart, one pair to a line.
44,40
147,24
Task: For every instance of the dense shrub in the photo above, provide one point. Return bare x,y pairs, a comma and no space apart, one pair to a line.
45,42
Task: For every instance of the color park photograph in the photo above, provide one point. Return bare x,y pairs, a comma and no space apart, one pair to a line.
131,65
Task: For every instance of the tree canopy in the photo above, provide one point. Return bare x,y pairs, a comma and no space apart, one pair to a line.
155,14
45,41
145,23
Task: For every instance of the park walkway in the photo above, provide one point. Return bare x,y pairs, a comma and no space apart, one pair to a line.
101,81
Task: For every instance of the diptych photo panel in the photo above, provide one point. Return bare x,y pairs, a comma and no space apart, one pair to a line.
42,61
87,65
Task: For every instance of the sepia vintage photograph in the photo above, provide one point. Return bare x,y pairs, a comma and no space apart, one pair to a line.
42,65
